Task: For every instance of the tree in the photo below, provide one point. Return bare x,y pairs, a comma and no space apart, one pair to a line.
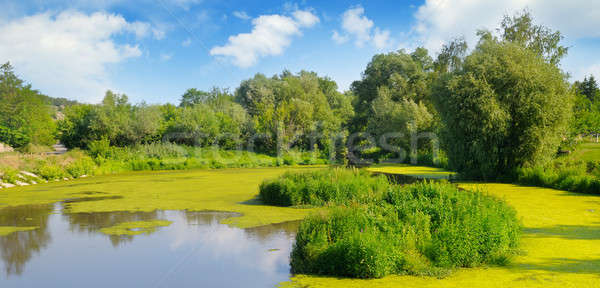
505,108
393,97
589,89
519,29
25,116
297,110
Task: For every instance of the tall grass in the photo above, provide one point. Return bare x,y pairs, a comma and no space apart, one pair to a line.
333,186
574,176
420,229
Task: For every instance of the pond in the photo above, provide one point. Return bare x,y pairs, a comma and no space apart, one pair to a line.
186,249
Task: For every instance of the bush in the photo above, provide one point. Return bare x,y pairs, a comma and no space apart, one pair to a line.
80,167
51,172
569,178
336,186
420,229
10,175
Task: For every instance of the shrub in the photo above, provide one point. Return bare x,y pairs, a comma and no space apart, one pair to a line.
10,175
80,167
422,229
566,177
336,186
51,172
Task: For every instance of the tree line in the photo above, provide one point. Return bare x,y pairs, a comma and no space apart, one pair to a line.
492,108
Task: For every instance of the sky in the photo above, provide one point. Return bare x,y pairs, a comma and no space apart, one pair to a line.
153,50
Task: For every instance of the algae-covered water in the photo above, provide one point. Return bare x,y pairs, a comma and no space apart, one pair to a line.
139,249
149,230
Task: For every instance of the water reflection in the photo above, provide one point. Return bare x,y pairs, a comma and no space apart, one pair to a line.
93,222
18,248
194,251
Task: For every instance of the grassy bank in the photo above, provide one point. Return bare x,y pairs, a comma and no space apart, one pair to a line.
103,160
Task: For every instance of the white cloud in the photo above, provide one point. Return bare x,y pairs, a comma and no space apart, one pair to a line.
439,21
362,29
305,18
355,23
67,54
187,42
382,39
270,35
241,14
338,38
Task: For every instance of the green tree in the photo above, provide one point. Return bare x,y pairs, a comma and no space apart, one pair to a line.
25,116
521,30
296,110
506,107
393,99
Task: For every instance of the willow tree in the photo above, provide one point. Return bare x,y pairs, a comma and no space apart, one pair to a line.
507,106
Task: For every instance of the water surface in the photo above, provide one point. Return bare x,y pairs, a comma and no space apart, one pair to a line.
69,250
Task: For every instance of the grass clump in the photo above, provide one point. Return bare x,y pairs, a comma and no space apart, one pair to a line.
317,188
578,177
419,229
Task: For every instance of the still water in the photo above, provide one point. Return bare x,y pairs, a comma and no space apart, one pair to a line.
69,250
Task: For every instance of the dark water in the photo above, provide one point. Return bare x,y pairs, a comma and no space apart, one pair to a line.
68,250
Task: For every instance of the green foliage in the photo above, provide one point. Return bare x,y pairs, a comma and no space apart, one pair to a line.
80,167
393,101
333,186
293,110
10,175
51,172
419,229
505,108
25,116
581,177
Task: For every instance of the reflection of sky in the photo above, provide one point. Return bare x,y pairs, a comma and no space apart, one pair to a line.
204,255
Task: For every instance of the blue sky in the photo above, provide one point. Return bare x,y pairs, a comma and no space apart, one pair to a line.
153,50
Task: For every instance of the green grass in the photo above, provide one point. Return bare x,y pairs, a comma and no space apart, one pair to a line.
317,188
419,229
587,151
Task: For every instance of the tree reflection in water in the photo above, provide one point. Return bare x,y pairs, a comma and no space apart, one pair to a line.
18,248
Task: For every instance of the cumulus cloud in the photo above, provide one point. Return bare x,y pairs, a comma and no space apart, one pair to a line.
241,14
270,35
186,43
362,29
67,54
382,39
439,21
339,38
355,23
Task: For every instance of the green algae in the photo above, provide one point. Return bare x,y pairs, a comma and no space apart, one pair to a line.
232,190
135,228
6,230
420,172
